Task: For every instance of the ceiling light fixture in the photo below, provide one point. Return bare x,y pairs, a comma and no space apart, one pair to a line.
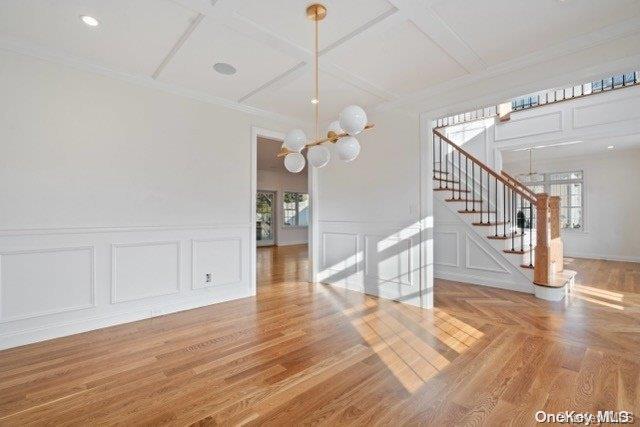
525,177
224,68
611,147
89,21
352,121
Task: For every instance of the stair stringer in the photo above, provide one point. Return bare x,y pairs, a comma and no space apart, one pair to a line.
507,275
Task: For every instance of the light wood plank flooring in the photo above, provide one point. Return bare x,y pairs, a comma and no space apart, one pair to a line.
313,354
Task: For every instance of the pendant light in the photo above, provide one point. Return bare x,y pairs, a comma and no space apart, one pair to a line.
351,121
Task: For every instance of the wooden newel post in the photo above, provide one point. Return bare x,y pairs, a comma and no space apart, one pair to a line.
542,267
557,258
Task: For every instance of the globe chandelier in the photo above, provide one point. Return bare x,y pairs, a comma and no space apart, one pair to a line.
352,120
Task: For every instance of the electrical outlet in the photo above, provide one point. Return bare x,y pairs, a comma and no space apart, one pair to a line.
207,277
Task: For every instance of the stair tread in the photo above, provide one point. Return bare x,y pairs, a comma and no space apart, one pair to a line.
517,251
445,172
503,237
527,266
451,189
474,212
490,223
446,180
462,200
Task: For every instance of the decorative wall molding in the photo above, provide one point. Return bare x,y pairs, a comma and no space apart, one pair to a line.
43,231
622,109
114,269
457,241
355,254
545,123
92,283
397,241
468,261
194,251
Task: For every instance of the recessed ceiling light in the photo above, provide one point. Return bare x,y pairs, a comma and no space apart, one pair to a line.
611,147
224,68
314,101
90,21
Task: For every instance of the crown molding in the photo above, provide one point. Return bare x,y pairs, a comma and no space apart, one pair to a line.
12,45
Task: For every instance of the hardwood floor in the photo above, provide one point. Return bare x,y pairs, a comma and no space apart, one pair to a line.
313,354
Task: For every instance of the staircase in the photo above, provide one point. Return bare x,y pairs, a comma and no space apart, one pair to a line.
524,227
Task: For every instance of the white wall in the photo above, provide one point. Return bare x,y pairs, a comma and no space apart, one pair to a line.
117,199
281,181
611,205
370,229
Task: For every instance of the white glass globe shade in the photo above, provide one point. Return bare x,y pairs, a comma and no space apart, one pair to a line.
335,127
294,162
348,148
295,140
318,156
353,119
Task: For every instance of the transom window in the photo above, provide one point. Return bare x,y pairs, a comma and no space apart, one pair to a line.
296,209
569,186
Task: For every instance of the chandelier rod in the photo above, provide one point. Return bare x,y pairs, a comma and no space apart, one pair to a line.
317,103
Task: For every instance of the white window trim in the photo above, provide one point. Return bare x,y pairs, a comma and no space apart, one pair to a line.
546,184
284,210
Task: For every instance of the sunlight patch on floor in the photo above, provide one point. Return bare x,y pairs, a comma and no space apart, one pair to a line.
409,357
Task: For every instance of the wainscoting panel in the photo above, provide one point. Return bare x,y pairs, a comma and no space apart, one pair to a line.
340,252
377,258
478,258
56,282
447,243
609,111
39,282
221,258
145,270
528,125
388,259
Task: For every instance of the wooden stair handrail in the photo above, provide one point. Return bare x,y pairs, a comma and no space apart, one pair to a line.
519,184
487,169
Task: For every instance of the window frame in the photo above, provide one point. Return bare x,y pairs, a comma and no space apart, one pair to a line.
546,184
297,210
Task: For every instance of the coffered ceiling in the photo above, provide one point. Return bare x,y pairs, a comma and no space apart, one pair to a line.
411,54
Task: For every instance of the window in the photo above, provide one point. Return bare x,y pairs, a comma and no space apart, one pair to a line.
296,209
569,186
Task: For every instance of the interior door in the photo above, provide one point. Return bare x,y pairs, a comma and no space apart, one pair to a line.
265,218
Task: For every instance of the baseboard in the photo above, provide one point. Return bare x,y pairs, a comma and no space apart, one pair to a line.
301,242
603,257
48,332
492,283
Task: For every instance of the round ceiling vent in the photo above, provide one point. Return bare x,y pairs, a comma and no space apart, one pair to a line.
224,68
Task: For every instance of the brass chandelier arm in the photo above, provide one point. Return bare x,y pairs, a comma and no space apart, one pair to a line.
331,137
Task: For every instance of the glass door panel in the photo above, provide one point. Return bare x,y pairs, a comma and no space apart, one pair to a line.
265,217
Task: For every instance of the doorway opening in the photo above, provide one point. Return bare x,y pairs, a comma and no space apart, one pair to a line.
282,214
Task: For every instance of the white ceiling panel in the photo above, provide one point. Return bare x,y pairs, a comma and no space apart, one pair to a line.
501,30
400,60
294,98
134,36
287,18
212,42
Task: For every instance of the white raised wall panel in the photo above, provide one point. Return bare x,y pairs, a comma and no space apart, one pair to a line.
40,282
144,270
222,258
